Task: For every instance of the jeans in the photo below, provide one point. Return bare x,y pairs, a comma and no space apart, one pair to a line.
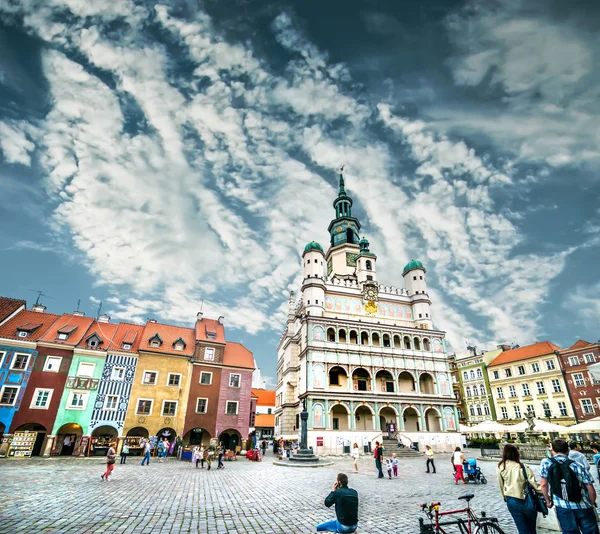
576,521
123,457
524,518
335,526
378,465
146,459
220,463
430,461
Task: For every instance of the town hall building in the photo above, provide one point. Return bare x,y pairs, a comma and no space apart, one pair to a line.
366,357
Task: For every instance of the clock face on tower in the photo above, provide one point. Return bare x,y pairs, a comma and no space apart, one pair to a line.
370,292
351,259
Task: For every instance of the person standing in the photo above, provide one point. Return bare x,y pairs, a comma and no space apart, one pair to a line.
378,459
201,456
110,463
511,474
429,462
346,507
264,446
355,455
395,463
208,456
195,456
576,455
570,488
161,450
457,459
124,452
147,449
220,456
596,448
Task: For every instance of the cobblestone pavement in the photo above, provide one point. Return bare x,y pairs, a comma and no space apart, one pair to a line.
68,496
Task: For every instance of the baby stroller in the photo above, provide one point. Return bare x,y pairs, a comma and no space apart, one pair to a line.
472,472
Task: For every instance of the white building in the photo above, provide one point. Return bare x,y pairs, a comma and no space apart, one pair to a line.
363,355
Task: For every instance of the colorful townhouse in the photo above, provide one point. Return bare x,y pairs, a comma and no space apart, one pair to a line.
159,394
18,353
264,422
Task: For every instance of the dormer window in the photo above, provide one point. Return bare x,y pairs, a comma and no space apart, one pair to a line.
93,341
22,333
179,344
62,336
211,335
26,329
64,332
155,341
127,346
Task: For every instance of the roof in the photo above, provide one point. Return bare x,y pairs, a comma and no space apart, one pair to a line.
264,420
127,333
523,353
581,344
28,318
9,306
266,397
313,245
168,334
236,355
210,330
412,264
105,331
75,325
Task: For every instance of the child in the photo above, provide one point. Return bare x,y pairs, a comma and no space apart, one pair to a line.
395,465
388,466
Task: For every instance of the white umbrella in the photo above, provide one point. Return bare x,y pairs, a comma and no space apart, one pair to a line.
592,425
540,426
490,426
464,428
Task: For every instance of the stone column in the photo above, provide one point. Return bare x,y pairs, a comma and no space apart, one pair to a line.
443,425
352,416
376,422
326,415
423,424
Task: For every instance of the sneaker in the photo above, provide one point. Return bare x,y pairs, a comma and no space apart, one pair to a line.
102,476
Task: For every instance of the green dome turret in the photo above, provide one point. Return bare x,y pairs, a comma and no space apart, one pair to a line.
412,264
364,244
313,245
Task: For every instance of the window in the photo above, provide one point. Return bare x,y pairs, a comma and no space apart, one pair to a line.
169,408
486,409
550,365
231,408
540,388
496,375
504,412
589,358
573,360
234,380
472,374
468,391
62,336
209,353
334,378
150,377
41,399
465,375
78,401
586,405
22,333
521,370
86,369
144,407
20,361
517,412
269,411
479,411
111,402
482,389
526,391
174,379
52,364
535,367
127,346
178,346
500,393
201,405
546,409
556,385
562,408
472,410
205,379
155,343
8,395
118,373
479,373
507,373
93,343
579,380
512,392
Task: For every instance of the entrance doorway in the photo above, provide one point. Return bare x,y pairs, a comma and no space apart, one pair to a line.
66,439
39,440
230,439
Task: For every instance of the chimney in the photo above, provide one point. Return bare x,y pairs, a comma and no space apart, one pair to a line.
104,318
221,319
199,316
504,347
38,308
78,313
152,320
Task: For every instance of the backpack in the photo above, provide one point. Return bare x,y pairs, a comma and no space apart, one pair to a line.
563,481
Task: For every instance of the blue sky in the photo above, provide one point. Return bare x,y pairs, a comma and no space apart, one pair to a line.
156,155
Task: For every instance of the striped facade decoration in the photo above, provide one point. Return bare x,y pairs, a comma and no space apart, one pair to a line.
109,385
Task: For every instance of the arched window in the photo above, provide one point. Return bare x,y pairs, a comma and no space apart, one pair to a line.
417,344
364,338
471,410
479,373
331,334
386,340
468,391
375,339
465,375
369,265
353,337
486,409
482,389
406,342
472,374
342,335
349,235
479,412
397,344
426,345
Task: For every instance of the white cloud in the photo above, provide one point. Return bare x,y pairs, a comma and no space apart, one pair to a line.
15,144
584,303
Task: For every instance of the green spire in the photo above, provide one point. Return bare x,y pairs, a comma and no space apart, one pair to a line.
342,189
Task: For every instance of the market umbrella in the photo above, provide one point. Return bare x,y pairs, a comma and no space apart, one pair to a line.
540,426
491,426
464,428
591,425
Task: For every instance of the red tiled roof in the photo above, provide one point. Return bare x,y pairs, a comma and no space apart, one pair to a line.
206,327
580,344
168,334
264,420
523,353
266,397
127,333
28,317
9,306
66,323
236,355
105,331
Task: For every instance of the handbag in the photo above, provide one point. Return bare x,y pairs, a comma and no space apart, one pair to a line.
533,499
110,460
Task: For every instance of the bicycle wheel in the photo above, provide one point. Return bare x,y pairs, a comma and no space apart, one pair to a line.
489,528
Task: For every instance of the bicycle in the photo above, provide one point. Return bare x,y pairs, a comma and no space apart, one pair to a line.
471,525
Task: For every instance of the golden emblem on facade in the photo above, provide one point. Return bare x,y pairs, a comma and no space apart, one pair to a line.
371,307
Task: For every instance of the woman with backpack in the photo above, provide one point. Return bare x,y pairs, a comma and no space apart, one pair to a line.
513,477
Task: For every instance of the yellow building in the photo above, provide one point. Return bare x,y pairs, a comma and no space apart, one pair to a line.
159,394
530,377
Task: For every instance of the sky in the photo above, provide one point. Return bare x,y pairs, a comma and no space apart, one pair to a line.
166,157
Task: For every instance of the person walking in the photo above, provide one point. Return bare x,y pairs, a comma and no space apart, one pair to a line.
457,460
346,507
110,463
395,463
147,449
429,462
124,453
264,446
208,456
389,467
355,455
569,487
162,447
201,456
378,454
195,456
513,476
220,451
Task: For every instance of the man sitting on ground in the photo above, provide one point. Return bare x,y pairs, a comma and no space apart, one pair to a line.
346,507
